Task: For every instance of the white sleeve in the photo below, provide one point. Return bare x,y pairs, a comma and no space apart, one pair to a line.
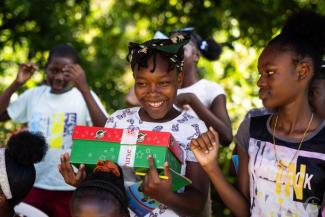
213,89
199,128
99,103
18,109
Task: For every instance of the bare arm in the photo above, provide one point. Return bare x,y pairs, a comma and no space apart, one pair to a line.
216,116
75,73
189,203
205,149
24,74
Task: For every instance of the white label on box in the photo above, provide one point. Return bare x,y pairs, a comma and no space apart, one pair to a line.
129,136
127,155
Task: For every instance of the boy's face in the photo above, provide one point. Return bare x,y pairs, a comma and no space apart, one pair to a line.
317,97
55,76
156,91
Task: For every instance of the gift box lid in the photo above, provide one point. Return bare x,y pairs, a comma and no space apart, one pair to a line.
127,136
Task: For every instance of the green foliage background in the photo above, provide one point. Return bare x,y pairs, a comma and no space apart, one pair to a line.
101,29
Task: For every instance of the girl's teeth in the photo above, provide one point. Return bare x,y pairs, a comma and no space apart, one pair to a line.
155,104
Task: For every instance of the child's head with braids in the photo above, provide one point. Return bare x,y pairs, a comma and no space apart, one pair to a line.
157,69
17,172
102,194
291,60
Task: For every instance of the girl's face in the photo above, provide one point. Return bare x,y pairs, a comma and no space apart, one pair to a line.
95,208
156,91
55,77
279,84
317,97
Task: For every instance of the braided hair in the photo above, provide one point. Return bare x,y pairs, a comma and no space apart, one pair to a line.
170,50
105,184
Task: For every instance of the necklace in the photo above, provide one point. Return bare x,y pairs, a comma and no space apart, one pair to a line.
280,163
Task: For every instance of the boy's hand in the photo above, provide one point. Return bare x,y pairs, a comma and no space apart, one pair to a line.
76,74
154,186
25,72
66,170
205,149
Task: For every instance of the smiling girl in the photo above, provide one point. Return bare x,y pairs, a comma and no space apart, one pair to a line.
157,69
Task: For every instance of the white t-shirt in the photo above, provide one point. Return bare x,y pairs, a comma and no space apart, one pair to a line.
183,128
205,90
54,115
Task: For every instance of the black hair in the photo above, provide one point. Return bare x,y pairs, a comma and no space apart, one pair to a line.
171,50
63,50
321,75
103,187
304,34
209,48
23,150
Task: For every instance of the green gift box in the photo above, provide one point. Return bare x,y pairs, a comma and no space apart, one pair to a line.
128,148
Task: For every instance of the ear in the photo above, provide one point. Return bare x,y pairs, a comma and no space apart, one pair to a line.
180,78
304,70
197,55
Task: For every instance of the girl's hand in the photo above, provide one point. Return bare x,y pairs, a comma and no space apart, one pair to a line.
205,149
25,72
184,99
154,186
66,170
76,74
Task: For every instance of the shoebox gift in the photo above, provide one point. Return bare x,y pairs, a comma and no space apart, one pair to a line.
130,149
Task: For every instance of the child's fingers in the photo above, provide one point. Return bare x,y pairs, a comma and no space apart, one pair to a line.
216,135
195,145
81,173
153,174
202,143
206,142
167,171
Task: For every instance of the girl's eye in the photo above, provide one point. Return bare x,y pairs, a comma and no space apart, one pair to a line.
141,84
269,73
164,83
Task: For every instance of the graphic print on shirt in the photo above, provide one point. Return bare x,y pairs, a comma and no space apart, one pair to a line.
296,190
56,127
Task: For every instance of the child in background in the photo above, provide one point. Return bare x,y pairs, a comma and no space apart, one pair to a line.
102,194
53,109
17,172
317,93
204,99
157,70
282,161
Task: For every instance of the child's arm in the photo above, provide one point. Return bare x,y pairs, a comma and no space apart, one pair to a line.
25,72
205,149
75,73
216,116
191,202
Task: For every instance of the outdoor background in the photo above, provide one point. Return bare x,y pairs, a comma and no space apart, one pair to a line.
101,29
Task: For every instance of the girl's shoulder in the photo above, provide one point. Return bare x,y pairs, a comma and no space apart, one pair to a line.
122,115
